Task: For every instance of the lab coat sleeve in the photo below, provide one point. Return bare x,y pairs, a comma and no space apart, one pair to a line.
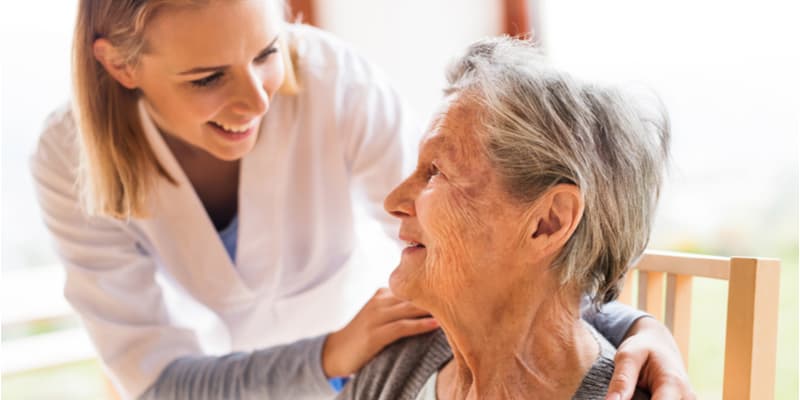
111,284
381,132
290,371
110,281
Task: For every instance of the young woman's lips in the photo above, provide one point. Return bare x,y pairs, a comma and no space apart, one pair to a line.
230,135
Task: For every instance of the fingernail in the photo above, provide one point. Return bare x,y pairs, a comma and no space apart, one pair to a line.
614,396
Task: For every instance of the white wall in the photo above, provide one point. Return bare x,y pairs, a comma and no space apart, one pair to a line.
728,73
413,40
34,52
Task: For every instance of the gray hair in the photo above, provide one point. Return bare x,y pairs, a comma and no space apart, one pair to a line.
540,127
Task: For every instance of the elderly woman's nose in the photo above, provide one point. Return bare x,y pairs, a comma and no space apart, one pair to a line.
399,202
252,98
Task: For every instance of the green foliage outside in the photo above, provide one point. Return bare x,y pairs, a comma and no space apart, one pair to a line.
79,381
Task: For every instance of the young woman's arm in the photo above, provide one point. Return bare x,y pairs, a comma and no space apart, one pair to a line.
291,371
110,281
298,370
647,354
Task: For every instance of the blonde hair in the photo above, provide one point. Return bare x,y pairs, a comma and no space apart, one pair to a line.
118,167
541,128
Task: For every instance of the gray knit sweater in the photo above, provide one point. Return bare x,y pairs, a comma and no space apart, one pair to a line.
400,370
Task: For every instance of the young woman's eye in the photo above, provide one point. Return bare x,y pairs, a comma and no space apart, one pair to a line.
263,56
207,81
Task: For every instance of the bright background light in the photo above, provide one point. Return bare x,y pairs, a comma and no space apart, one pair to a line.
727,71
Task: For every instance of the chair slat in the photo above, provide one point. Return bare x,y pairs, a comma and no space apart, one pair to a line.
752,318
641,286
752,328
654,295
678,309
626,295
684,264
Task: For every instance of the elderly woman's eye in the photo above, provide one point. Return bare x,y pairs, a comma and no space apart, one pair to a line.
433,171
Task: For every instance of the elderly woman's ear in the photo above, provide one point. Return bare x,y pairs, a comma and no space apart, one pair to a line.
556,215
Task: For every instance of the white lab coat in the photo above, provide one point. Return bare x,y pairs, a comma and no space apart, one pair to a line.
295,213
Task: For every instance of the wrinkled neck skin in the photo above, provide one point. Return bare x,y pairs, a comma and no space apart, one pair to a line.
526,342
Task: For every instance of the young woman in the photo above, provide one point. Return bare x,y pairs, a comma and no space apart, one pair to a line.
212,147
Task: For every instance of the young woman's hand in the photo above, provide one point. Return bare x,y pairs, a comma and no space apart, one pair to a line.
381,321
650,358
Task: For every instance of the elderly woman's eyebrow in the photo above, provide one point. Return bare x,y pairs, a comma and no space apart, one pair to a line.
443,152
436,146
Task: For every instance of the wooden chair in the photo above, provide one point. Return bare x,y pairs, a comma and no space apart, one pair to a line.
664,282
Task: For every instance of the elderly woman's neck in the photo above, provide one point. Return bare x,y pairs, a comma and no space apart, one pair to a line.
528,340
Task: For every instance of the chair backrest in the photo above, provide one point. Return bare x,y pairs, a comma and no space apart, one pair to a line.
664,282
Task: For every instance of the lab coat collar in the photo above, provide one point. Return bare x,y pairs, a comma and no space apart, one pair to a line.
185,240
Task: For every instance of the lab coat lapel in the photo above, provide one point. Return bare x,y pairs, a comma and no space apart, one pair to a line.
262,208
183,235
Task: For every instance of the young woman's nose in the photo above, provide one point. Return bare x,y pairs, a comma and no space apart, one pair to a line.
252,97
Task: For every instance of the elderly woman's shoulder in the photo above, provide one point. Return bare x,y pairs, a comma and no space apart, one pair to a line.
402,367
597,380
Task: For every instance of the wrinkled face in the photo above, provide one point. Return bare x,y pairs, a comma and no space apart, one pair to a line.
208,73
460,225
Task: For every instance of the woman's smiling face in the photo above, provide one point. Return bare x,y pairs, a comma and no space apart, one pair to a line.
459,222
208,73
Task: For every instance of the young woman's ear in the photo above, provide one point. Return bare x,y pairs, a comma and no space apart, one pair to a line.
114,63
560,210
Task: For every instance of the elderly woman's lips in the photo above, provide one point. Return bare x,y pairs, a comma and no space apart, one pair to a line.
413,249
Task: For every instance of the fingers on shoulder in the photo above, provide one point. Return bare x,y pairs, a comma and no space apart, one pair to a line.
406,327
627,366
673,386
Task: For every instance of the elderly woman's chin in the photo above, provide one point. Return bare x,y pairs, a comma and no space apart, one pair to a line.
406,279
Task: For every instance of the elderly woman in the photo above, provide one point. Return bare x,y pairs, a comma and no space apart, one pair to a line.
531,191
